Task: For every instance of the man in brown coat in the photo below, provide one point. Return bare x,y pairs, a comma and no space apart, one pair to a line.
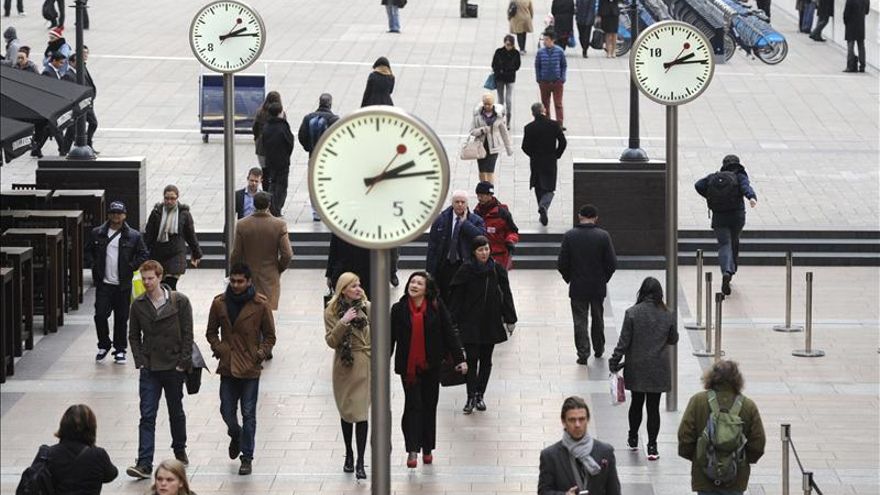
261,243
241,332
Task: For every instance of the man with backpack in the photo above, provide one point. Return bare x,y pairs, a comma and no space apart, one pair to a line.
313,126
724,191
721,433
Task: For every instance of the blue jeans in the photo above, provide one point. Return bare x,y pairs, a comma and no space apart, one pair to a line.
728,247
233,390
393,16
152,383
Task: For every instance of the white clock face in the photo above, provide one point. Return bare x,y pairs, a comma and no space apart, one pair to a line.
378,177
672,62
227,36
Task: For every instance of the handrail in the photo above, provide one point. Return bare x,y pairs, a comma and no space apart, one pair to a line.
808,483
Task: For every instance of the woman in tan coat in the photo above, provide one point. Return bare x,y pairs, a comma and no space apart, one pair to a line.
521,22
347,325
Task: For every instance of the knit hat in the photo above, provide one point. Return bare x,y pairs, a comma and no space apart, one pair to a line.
485,188
730,160
56,32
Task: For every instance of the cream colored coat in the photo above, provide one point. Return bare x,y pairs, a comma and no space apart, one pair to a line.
351,384
497,135
522,21
261,243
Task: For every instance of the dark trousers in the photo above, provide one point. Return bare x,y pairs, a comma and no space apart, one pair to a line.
851,59
7,6
580,308
521,41
91,126
278,189
765,6
112,299
419,420
479,361
584,33
635,414
41,135
58,21
445,271
728,247
245,390
544,198
152,383
820,25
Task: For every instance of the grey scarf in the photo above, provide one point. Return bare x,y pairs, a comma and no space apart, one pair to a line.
581,450
168,223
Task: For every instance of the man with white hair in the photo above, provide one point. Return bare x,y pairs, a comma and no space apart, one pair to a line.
449,242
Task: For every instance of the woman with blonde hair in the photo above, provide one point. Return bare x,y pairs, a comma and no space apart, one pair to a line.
347,326
489,127
170,479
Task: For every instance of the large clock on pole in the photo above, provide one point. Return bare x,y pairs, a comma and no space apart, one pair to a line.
227,36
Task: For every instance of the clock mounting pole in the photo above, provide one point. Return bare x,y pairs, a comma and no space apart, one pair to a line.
672,242
229,163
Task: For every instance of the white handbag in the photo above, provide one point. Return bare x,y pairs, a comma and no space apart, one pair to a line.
473,149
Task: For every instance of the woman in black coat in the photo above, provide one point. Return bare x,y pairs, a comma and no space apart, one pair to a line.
78,467
170,228
648,331
482,306
563,21
380,84
609,20
505,63
422,331
854,13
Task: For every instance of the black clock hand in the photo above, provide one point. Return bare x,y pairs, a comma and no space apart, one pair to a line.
241,35
232,33
412,174
677,61
371,181
701,61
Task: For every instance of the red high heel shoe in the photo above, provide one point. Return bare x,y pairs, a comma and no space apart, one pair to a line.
427,458
412,460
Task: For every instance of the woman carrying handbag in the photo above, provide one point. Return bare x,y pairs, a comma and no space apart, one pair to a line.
490,129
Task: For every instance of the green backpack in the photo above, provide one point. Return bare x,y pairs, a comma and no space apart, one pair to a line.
721,447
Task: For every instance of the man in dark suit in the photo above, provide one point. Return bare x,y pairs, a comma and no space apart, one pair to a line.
55,70
577,463
244,197
449,242
544,143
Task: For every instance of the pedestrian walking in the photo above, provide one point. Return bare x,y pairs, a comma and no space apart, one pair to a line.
764,5
55,69
312,128
244,197
380,84
13,44
825,12
550,72
89,114
587,262
56,44
489,127
260,119
392,10
241,332
170,229
422,335
161,338
77,464
505,63
721,404
724,191
347,327
277,147
647,332
346,257
42,130
19,7
115,251
22,62
449,241
261,242
609,21
577,464
520,23
502,232
54,15
482,307
171,479
563,21
543,142
854,14
584,17
806,9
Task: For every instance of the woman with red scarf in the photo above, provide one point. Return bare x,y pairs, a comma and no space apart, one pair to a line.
422,331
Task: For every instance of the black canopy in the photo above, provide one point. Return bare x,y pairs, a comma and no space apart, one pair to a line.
33,98
15,138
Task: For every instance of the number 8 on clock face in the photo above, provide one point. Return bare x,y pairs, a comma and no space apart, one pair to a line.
378,177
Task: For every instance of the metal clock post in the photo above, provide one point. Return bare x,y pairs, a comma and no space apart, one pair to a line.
672,63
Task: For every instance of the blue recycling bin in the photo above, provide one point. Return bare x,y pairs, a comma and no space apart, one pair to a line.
250,91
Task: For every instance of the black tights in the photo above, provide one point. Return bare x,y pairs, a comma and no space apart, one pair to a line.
521,41
635,414
479,360
361,432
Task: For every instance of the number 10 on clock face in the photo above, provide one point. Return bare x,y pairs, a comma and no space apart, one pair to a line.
378,177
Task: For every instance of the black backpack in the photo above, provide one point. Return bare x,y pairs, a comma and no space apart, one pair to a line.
37,478
723,193
511,10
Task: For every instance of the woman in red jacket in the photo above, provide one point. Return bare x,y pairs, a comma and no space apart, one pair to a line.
503,234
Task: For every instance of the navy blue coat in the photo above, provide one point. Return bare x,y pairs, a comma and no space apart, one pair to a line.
441,233
735,218
132,253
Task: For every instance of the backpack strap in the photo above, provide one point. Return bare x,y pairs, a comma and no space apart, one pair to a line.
737,405
713,402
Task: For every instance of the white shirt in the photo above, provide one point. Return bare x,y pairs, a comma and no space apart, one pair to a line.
111,262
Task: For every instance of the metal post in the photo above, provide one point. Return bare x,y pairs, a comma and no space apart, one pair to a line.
229,161
698,323
788,327
634,153
786,440
80,150
808,350
808,482
380,370
719,299
672,242
707,351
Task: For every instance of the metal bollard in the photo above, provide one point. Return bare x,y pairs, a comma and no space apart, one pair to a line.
808,350
698,323
808,482
788,327
786,440
707,351
719,298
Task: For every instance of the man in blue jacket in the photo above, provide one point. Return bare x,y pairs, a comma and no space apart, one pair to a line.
449,242
550,68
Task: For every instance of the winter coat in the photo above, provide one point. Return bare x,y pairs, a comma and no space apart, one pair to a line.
647,332
12,43
502,233
505,63
585,12
161,339
132,253
556,476
522,21
543,142
305,136
481,303
693,421
30,67
854,14
277,143
261,242
441,234
825,8
172,254
259,123
586,261
563,17
78,469
57,45
441,336
734,218
380,85
344,257
242,346
351,384
550,65
493,136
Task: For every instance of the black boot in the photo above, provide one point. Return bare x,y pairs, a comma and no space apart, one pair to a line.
359,472
469,405
478,402
585,52
348,467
